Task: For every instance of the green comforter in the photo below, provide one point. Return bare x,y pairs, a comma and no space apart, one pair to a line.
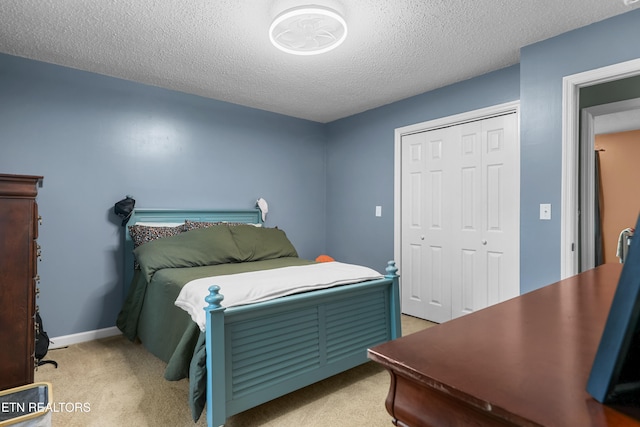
167,331
149,313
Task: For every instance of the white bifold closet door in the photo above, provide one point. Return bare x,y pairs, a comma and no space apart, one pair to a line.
460,218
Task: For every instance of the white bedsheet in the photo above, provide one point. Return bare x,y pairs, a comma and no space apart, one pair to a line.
257,286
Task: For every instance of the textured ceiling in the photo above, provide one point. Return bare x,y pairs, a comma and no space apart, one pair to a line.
220,48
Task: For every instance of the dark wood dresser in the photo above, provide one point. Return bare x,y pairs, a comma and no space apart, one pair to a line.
18,276
524,362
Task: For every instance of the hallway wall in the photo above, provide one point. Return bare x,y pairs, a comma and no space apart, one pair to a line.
620,192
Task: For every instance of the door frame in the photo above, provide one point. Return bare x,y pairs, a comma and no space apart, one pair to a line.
587,174
469,116
571,175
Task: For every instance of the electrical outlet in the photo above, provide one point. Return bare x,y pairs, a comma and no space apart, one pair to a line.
378,210
545,211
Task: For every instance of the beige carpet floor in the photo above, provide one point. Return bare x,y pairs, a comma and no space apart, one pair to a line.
113,382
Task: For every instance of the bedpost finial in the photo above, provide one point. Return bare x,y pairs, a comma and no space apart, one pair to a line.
391,269
214,298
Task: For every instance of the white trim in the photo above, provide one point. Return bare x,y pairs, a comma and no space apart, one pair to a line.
482,113
67,340
571,86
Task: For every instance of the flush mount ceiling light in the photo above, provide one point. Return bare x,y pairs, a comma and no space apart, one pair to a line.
308,30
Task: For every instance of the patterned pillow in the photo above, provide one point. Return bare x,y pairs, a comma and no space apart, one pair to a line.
141,234
193,225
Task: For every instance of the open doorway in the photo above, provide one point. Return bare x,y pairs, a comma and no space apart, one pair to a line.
572,215
618,153
608,123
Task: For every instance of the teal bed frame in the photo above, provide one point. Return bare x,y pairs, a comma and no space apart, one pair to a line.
259,352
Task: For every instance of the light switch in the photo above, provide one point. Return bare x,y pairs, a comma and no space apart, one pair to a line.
378,210
545,211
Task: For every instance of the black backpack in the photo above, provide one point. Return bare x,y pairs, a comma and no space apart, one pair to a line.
42,343
124,208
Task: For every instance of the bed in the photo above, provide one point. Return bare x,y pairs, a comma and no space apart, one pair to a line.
240,356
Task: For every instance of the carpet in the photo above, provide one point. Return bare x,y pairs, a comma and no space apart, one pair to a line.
113,382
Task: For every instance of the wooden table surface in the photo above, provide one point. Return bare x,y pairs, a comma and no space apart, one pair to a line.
525,361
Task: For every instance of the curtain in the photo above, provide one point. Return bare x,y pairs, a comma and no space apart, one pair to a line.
599,251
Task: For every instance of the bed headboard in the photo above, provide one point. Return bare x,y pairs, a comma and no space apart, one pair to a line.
175,217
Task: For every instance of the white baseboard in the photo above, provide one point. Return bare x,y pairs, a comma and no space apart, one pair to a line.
66,340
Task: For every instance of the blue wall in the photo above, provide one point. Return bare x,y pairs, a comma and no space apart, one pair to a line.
360,162
96,138
542,68
360,148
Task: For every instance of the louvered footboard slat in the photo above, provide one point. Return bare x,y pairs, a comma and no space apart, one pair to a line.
258,353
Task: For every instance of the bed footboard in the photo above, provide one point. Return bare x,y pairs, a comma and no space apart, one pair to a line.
259,352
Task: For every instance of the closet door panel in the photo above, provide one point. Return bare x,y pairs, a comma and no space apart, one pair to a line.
426,231
468,288
502,206
413,268
438,168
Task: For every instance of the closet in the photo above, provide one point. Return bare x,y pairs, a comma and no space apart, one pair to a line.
460,210
19,253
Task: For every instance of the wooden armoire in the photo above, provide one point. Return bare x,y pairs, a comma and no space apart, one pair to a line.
19,252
